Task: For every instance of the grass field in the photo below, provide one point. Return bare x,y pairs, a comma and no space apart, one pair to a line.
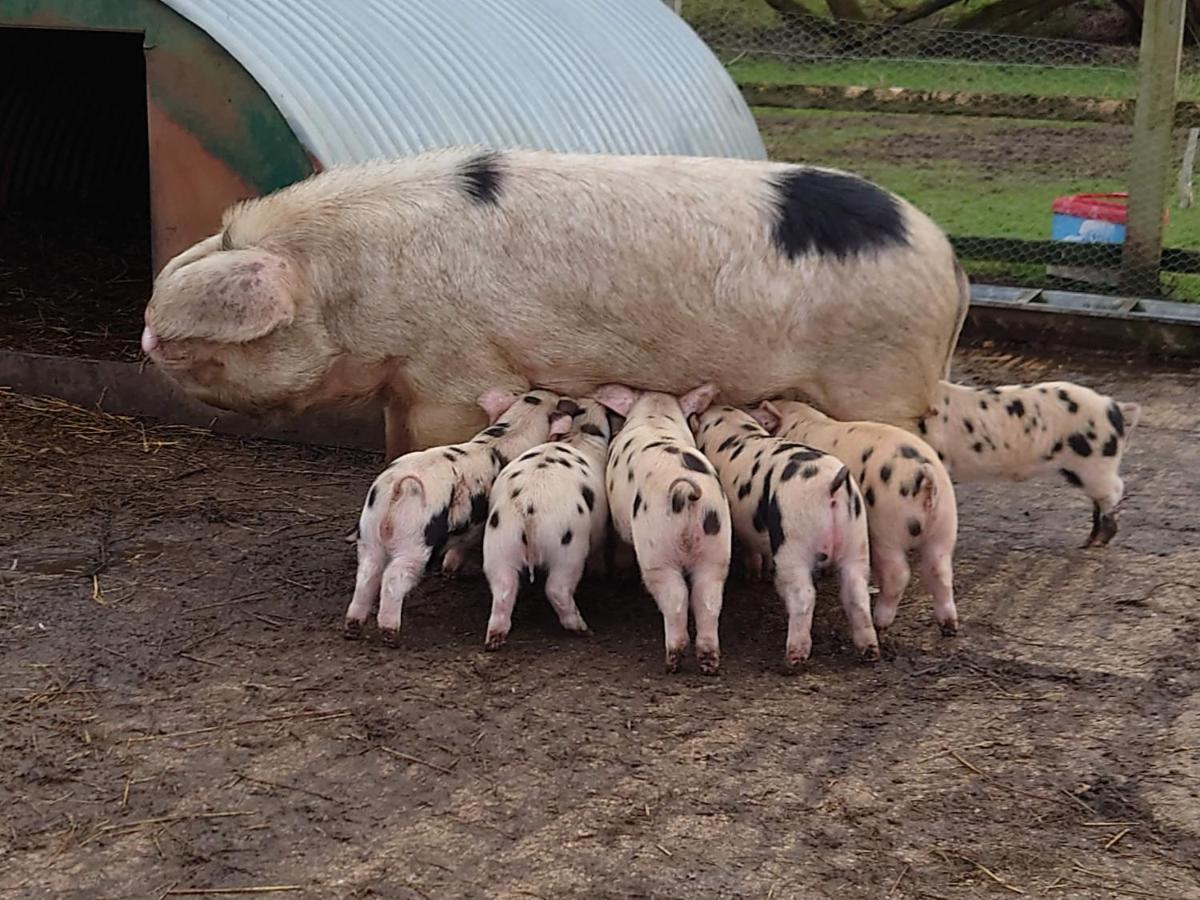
975,177
929,75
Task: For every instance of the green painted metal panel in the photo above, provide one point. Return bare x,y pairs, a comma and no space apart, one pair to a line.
193,79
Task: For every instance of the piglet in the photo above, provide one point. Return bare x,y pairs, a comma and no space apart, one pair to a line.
800,508
549,511
666,501
1017,432
433,499
910,501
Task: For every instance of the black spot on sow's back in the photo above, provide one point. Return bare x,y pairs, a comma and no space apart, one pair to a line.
833,213
482,178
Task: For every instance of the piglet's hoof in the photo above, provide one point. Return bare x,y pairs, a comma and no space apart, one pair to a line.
352,629
949,629
871,653
494,641
709,662
390,636
794,662
673,661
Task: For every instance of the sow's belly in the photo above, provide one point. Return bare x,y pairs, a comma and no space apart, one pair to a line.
742,374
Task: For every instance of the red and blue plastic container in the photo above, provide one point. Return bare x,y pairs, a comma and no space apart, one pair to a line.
1088,219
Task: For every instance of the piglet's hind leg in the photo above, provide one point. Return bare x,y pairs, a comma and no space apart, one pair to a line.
366,589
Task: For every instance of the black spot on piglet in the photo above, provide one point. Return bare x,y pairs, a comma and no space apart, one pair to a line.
1071,477
838,480
437,529
1080,444
1115,418
1016,408
374,492
712,522
494,521
695,463
914,527
566,538
479,508
1110,446
593,430
589,497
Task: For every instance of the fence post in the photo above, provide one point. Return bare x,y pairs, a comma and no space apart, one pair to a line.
1153,122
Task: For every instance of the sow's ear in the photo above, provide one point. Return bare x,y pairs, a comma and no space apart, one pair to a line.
495,402
617,397
697,400
230,297
767,415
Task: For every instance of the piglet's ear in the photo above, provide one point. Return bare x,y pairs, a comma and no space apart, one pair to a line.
617,397
230,297
560,424
495,402
767,415
697,400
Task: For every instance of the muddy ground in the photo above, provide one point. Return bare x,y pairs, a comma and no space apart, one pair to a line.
181,713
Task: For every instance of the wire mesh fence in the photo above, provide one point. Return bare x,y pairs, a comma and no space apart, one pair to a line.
1002,139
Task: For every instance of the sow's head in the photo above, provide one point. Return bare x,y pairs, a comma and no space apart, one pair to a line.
236,328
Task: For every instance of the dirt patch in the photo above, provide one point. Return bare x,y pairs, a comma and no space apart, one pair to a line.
73,284
989,147
180,710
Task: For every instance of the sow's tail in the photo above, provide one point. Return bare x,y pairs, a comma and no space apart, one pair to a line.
683,491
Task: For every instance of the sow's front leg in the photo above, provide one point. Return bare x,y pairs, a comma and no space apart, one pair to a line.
426,425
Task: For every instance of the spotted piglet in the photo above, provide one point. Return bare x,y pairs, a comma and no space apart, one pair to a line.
667,502
433,499
1018,432
549,511
910,501
799,507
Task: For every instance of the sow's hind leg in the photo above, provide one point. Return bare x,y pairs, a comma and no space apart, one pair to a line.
885,346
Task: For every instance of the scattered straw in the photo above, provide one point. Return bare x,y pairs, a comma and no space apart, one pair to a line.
258,889
407,757
314,715
992,875
1115,838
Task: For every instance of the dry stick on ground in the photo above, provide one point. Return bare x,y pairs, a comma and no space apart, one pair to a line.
260,889
289,787
992,875
1116,837
315,715
414,759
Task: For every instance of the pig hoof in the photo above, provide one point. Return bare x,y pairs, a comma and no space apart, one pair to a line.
871,653
674,661
950,629
495,640
390,636
352,629
709,662
794,662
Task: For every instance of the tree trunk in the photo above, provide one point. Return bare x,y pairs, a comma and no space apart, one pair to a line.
845,9
992,17
921,11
